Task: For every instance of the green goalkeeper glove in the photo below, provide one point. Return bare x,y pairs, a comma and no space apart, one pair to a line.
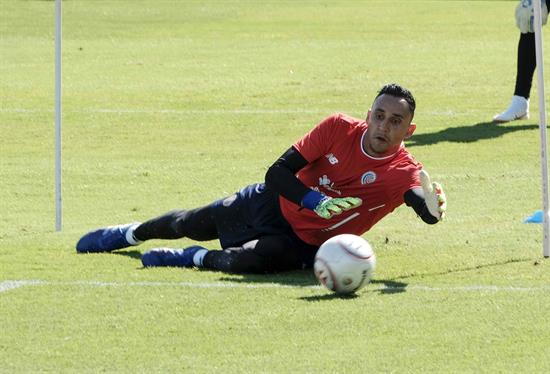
328,206
434,196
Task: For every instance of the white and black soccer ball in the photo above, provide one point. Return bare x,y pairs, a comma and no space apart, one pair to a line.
344,263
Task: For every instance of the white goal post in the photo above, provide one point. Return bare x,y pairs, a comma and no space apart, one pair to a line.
58,200
542,127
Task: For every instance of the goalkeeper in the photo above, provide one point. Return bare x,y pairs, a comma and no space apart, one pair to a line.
526,61
343,176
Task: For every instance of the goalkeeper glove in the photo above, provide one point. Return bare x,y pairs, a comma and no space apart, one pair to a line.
434,196
329,206
525,15
326,207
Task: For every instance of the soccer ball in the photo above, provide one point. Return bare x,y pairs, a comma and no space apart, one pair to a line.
344,263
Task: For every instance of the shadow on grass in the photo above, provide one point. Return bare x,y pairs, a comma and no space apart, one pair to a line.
133,254
467,134
396,285
468,268
389,287
297,278
306,278
329,296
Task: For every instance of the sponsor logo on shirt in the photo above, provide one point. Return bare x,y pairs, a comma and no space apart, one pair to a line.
326,183
368,177
332,159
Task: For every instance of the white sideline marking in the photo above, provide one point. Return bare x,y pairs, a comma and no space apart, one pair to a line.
200,111
13,284
170,111
8,285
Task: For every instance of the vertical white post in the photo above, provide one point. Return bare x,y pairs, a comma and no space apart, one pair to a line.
58,201
542,126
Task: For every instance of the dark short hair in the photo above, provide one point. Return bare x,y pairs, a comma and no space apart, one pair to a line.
396,90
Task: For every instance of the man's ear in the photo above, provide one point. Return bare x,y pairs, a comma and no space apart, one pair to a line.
368,116
410,130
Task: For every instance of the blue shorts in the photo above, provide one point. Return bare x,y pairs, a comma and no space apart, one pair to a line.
248,214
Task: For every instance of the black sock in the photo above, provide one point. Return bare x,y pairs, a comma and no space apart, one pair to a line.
526,64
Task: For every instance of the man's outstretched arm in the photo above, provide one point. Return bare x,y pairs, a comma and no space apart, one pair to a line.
428,201
281,178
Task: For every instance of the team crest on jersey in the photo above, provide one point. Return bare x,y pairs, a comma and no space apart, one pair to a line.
332,159
368,177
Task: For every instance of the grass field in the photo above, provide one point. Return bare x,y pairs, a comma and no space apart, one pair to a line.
171,104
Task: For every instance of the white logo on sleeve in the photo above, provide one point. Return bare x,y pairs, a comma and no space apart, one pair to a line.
332,159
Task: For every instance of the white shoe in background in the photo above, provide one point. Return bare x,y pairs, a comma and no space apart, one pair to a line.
518,109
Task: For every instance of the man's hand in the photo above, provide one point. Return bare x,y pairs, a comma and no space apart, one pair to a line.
525,15
329,206
434,196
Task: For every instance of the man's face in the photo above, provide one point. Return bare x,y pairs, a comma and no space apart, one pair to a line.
389,124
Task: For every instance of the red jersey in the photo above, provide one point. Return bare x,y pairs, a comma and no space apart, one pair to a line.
338,166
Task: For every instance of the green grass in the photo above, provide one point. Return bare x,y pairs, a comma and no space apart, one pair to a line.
172,104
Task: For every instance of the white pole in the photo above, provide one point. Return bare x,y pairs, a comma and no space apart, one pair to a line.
542,127
58,204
